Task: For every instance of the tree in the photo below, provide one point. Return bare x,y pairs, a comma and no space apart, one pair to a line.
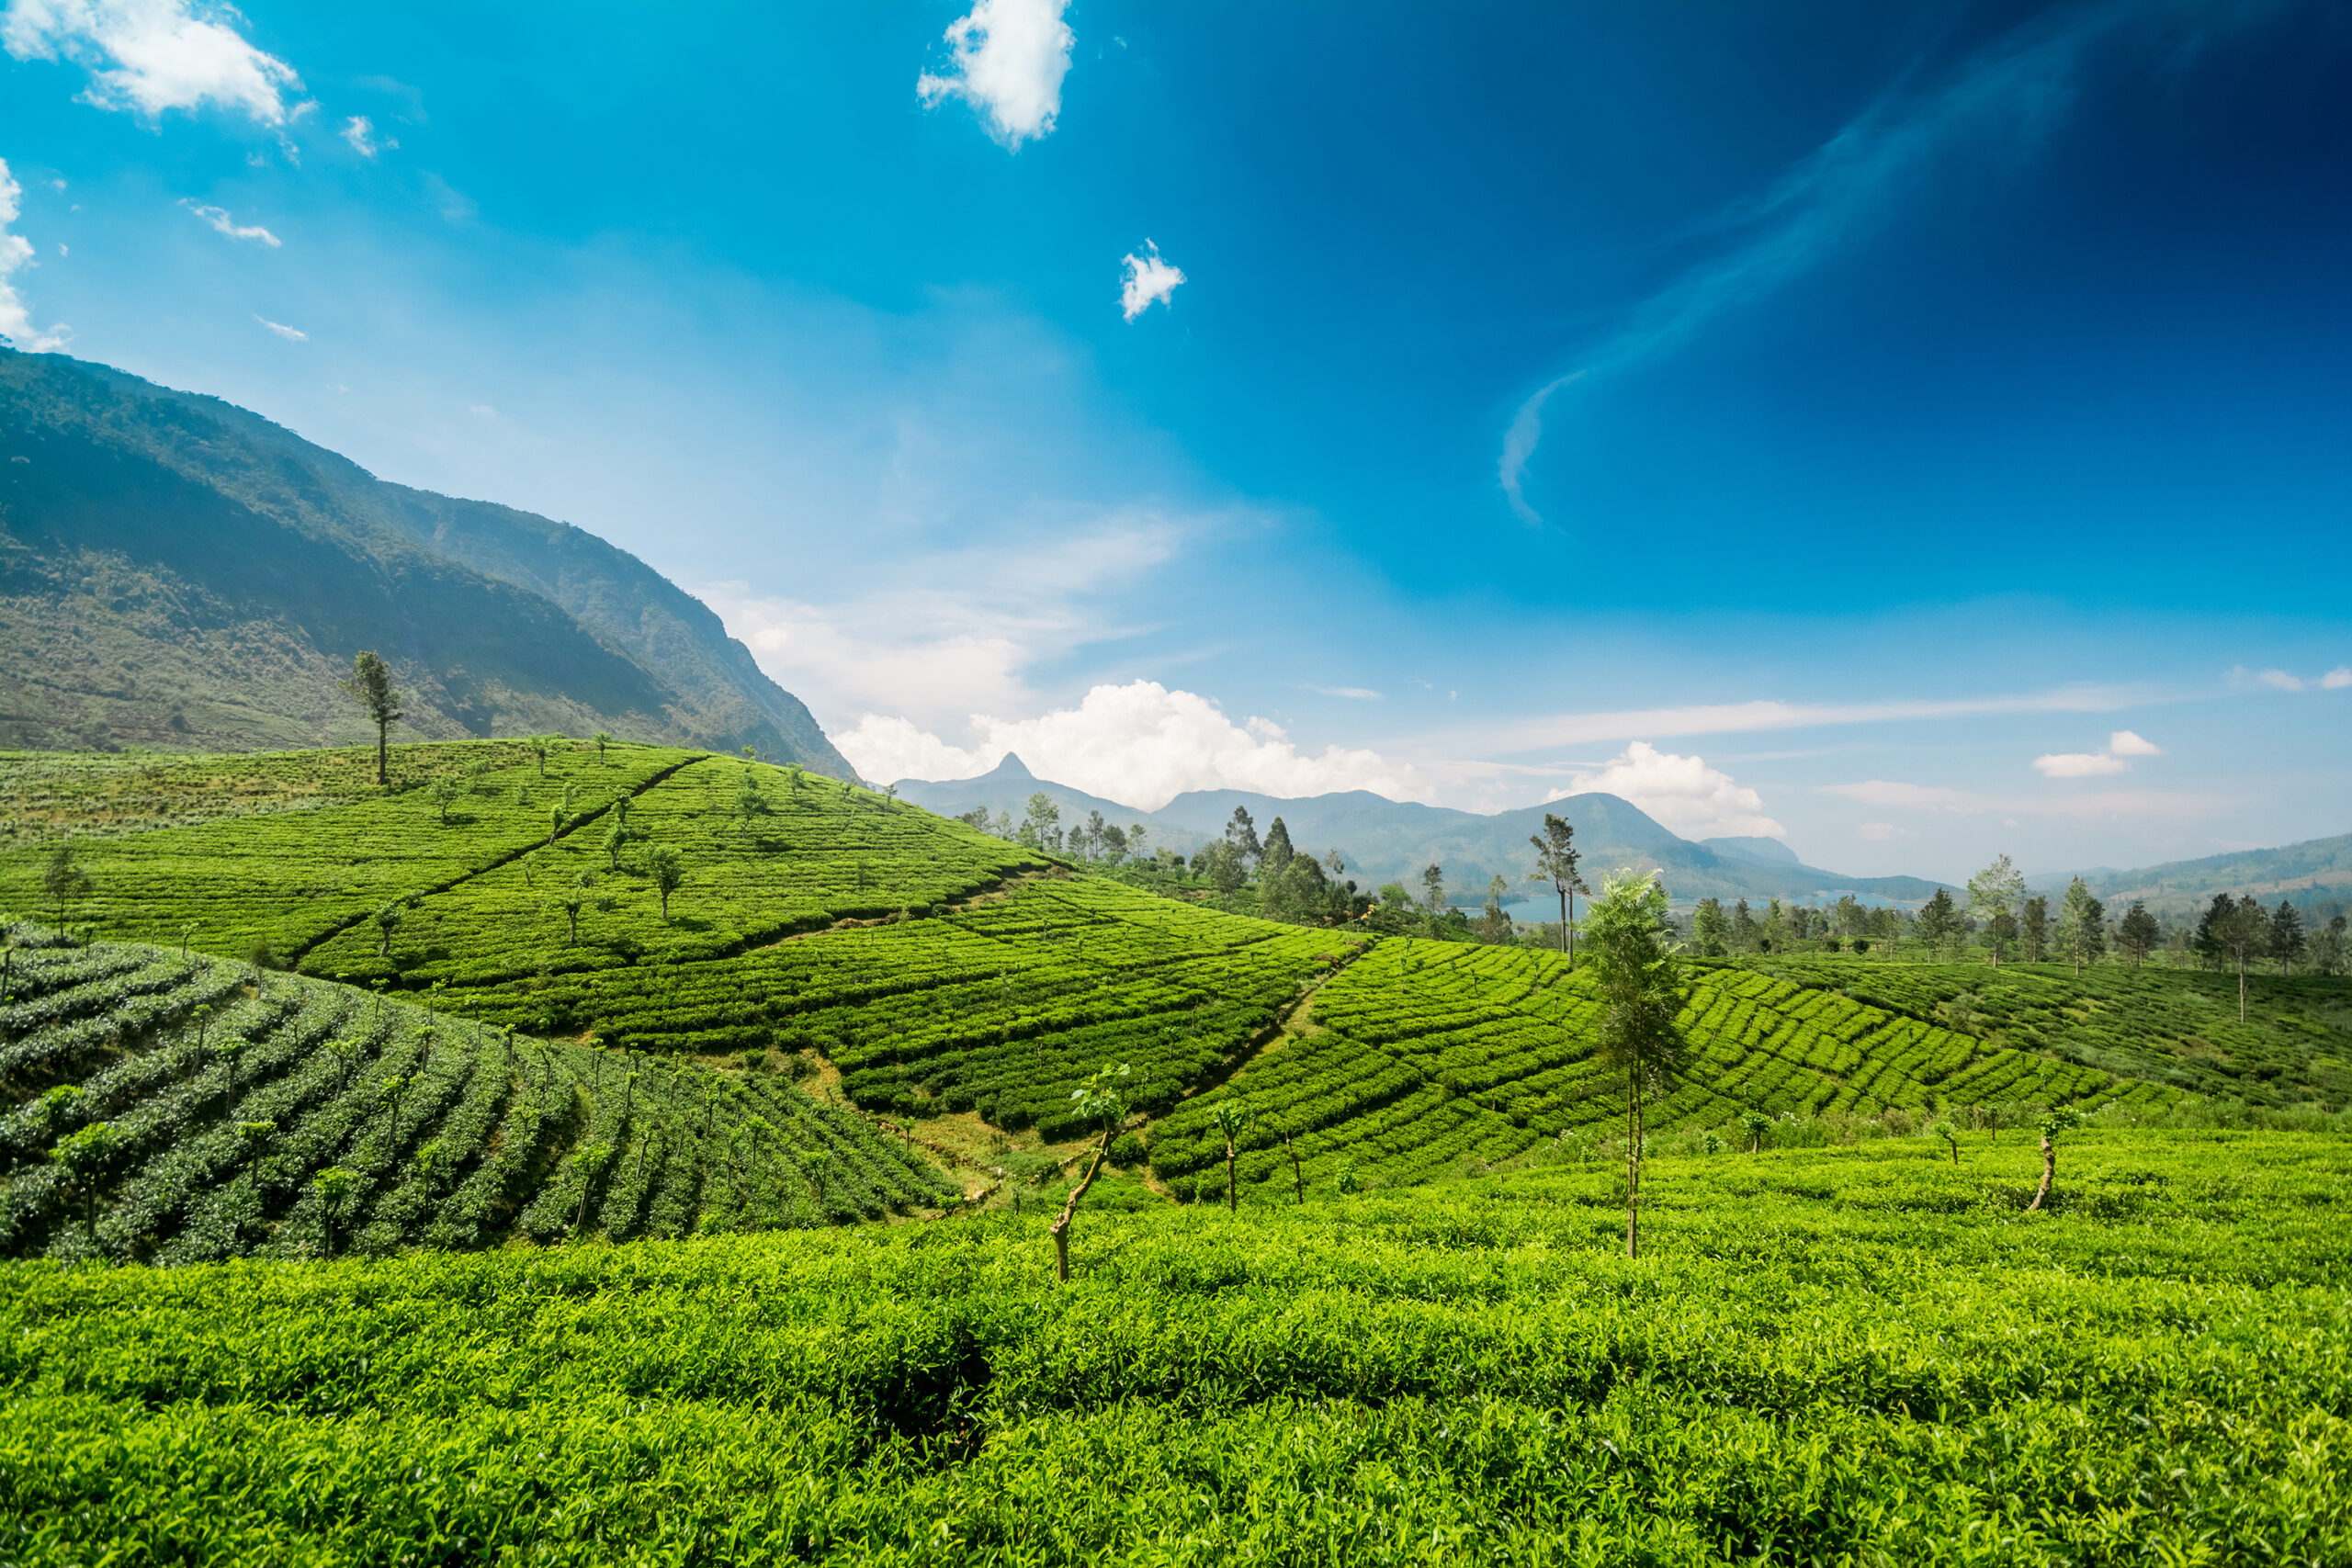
2242,933
616,839
1277,852
603,738
87,1156
1754,1123
2055,1122
2286,935
2137,934
1136,833
1041,830
1101,1102
2207,944
445,793
387,919
256,1137
1852,918
581,895
1743,928
1433,888
1887,925
539,746
1494,925
371,686
2082,925
1556,862
1939,919
2000,929
1993,894
1710,932
1242,834
2036,928
1951,1136
2328,948
1231,1118
668,873
1639,985
1774,937
333,1185
62,880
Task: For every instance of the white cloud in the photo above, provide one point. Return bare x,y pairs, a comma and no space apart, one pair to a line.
2121,746
1145,280
1353,694
2279,679
1682,793
1882,833
1010,57
1141,744
2079,765
360,132
148,56
16,252
2337,679
292,334
218,218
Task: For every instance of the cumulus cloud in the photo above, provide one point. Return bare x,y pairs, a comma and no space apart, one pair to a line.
292,334
1140,744
1682,793
147,56
218,217
1010,59
2337,679
1145,280
16,252
359,131
2121,746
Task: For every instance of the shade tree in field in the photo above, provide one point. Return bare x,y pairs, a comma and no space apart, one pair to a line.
2330,953
1041,826
2033,928
1754,1123
1939,920
387,919
1100,1104
603,738
1231,1118
581,895
2136,934
2082,925
1992,895
668,870
2233,931
64,880
1556,862
371,686
2285,937
1639,983
2055,1124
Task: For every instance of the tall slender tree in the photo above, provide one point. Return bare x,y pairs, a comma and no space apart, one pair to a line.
1639,983
1434,889
2243,934
371,685
1102,1105
2082,924
1556,862
1939,919
1993,894
2286,936
2037,929
2137,932
1709,930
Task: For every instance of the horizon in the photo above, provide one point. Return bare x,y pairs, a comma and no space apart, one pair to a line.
1911,438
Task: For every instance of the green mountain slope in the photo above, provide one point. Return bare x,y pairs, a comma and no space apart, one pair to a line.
176,571
2315,874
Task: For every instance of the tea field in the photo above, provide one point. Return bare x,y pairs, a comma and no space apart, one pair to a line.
1865,1355
171,1111
1426,1056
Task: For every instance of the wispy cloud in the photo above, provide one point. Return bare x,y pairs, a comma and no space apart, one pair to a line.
1145,280
220,220
1353,694
360,133
148,56
1010,59
2009,95
2089,805
17,251
292,334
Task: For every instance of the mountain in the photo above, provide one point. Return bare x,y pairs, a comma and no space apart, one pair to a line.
2313,875
1390,841
1008,787
176,571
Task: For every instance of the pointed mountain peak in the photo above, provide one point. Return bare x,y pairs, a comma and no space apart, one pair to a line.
1011,768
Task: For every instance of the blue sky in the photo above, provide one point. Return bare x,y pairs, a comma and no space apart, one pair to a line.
1841,420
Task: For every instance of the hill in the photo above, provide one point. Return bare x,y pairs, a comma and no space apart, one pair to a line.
2315,874
1006,789
178,573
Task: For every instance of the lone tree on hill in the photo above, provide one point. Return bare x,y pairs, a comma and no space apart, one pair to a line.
1231,1118
1101,1102
580,895
387,920
445,793
1556,862
603,738
2136,933
2239,933
371,685
668,873
2055,1122
2082,925
1639,984
62,880
1993,895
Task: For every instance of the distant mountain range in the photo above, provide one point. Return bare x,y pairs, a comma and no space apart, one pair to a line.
1384,840
2316,874
176,571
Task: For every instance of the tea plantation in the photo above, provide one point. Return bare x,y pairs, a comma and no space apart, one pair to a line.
1865,1355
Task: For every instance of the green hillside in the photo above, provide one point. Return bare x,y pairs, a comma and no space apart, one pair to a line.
192,1109
1429,1056
1864,1355
178,573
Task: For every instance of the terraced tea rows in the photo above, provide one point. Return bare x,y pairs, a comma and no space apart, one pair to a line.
1429,1055
2172,1026
176,1110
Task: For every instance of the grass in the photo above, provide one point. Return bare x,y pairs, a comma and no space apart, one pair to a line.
1859,1354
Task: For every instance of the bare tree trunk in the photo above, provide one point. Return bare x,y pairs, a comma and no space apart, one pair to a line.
1060,1227
2049,1172
383,774
1570,923
1633,1165
1563,919
2241,985
1232,1199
